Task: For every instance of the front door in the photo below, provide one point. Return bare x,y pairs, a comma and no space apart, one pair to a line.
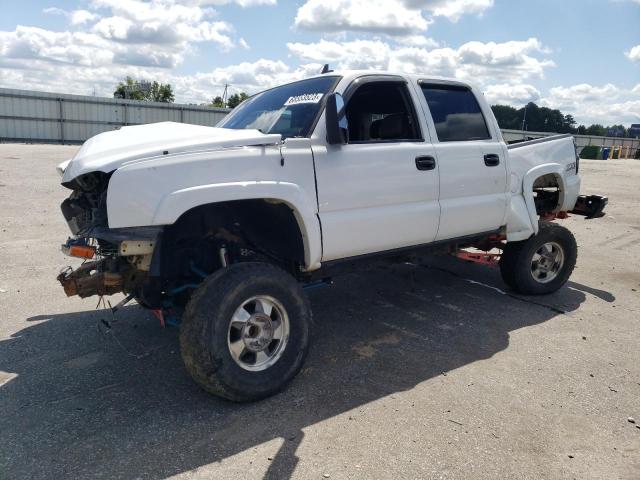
379,191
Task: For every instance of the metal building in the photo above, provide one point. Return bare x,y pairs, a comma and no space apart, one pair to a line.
29,116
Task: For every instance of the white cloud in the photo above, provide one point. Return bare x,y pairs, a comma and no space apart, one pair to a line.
390,17
162,11
451,9
80,17
76,17
595,104
163,22
242,3
77,78
636,89
634,53
250,77
439,61
484,63
57,50
113,39
54,11
516,95
251,3
571,97
608,114
27,44
356,54
417,41
507,53
157,34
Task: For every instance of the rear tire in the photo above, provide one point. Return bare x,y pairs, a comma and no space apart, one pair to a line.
541,264
245,332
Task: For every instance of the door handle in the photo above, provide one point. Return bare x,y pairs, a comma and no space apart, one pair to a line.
492,159
425,163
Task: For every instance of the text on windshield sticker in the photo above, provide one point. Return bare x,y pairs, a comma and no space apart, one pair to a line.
305,98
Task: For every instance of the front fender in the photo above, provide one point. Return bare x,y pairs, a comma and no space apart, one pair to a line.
159,190
176,203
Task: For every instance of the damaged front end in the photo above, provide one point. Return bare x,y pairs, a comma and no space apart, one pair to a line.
115,260
91,278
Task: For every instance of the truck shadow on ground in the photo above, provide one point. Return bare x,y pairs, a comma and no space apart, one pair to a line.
98,402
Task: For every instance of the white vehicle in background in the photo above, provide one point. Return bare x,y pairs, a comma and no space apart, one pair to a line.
222,228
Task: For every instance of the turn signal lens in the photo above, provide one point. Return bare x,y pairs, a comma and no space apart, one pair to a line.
82,251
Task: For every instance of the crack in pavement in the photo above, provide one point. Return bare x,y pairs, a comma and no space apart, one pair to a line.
525,300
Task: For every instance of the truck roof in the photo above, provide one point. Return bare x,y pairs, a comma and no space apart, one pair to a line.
412,77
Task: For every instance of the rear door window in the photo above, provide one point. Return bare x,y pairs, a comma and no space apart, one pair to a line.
456,113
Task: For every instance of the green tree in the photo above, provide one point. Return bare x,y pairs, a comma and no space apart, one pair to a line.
146,91
569,124
217,102
161,92
617,131
596,129
236,99
507,117
128,89
537,119
543,119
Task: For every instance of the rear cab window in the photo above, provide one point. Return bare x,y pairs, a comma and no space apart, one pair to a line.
456,113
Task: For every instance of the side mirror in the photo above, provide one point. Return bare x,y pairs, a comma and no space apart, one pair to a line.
336,120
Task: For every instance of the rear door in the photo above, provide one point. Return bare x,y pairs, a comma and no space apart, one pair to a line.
471,158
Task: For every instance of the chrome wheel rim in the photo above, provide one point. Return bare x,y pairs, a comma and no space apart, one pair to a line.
547,262
258,333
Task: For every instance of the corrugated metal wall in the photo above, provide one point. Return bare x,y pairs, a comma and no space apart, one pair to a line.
31,116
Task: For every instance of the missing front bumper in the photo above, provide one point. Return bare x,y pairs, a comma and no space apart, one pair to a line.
91,278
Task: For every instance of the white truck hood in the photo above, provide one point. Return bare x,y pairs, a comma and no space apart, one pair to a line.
110,150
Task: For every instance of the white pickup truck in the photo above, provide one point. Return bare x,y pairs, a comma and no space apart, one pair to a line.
222,228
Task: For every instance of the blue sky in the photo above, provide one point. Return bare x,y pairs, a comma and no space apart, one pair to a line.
576,55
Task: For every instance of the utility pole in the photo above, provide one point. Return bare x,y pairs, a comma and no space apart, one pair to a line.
224,95
524,117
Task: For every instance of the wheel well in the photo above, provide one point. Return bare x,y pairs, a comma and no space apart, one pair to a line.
547,181
547,193
244,228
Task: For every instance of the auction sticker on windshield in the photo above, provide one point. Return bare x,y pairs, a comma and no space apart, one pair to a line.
305,98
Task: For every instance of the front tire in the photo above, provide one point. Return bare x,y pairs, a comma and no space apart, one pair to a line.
541,264
245,332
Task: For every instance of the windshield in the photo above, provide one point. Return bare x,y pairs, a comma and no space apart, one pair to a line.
289,110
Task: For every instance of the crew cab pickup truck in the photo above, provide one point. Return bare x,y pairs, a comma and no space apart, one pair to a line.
221,228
